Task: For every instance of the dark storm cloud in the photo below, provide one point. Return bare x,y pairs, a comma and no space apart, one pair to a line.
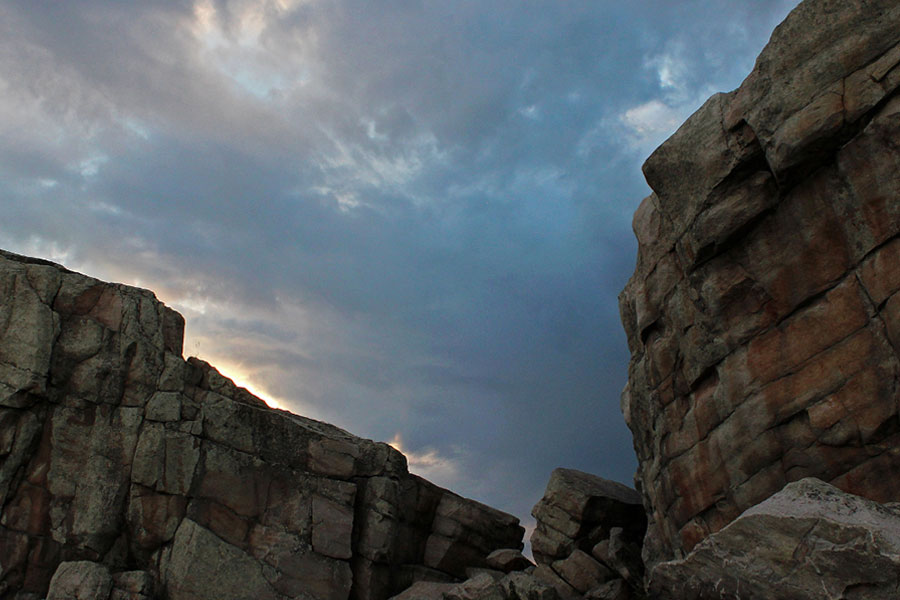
408,218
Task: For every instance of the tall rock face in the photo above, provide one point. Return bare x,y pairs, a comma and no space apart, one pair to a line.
763,316
145,475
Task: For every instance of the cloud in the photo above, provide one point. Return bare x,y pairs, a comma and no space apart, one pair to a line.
405,218
652,122
429,463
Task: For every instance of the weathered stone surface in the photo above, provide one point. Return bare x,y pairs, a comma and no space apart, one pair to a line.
763,316
492,573
116,450
480,587
465,532
507,560
622,555
133,585
579,509
203,565
425,590
485,586
522,586
808,541
547,575
582,572
80,580
616,589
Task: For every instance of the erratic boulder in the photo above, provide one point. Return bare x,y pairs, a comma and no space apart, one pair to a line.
807,542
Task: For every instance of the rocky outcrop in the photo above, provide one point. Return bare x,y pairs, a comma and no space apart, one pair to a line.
588,535
763,317
578,510
128,471
587,545
808,541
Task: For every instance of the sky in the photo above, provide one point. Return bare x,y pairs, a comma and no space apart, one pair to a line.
409,218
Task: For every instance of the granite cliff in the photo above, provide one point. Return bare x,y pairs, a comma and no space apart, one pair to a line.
763,316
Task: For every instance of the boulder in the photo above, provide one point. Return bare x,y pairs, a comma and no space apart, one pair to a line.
465,532
487,586
548,576
80,580
507,560
578,510
425,590
808,541
615,589
582,572
622,556
523,586
480,587
133,585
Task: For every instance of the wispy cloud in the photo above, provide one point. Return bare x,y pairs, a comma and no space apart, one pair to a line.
429,463
410,219
652,122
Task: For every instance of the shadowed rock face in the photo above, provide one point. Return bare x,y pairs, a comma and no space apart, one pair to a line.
578,510
763,316
115,450
588,537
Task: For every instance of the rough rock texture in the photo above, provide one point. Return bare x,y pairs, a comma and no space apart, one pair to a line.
808,541
116,451
512,586
588,537
578,510
763,316
508,560
542,584
81,580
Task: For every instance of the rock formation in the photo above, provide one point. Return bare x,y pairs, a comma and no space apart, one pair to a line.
128,472
588,536
763,315
578,511
806,542
764,324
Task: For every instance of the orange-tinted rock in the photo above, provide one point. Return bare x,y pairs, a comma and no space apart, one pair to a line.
764,313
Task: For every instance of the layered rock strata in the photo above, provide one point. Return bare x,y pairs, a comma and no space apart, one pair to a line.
763,316
117,452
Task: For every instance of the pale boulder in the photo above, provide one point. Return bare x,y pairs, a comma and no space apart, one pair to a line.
808,541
